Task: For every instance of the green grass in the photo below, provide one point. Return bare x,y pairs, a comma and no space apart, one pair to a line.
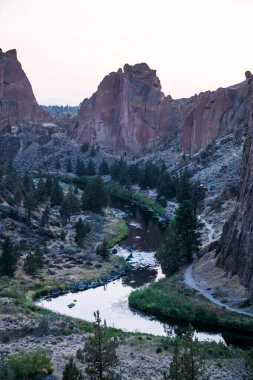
169,298
138,198
121,235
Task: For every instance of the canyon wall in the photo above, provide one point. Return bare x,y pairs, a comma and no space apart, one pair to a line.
235,252
17,101
129,114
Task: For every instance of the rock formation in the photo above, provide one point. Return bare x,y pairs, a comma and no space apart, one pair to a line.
130,115
235,252
17,101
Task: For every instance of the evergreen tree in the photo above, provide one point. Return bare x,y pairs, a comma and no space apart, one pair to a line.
41,191
100,351
56,194
69,168
103,168
93,151
197,195
9,258
33,262
71,372
134,173
95,196
85,147
103,250
166,187
80,168
6,372
49,186
45,216
187,227
70,205
168,253
82,229
91,169
183,191
188,360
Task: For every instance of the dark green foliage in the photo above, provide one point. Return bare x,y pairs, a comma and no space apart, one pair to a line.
6,372
188,361
49,185
103,250
95,196
62,235
80,168
45,216
71,372
61,111
41,191
69,168
33,262
30,200
91,169
70,205
85,147
166,186
168,254
197,195
8,259
82,229
134,173
103,168
56,194
187,228
100,351
149,176
57,164
93,151
27,365
182,240
183,191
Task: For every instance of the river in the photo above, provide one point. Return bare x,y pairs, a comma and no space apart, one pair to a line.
144,238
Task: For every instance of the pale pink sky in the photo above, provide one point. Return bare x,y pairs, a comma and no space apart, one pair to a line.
66,47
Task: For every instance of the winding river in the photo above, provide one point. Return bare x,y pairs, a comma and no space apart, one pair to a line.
145,236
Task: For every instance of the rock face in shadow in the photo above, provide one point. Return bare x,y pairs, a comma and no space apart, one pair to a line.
130,115
235,253
17,101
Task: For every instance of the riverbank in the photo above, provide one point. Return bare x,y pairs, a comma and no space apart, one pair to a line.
170,297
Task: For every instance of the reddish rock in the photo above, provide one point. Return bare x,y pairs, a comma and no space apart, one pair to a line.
130,115
17,101
235,252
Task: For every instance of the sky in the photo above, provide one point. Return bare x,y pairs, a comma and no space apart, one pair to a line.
66,47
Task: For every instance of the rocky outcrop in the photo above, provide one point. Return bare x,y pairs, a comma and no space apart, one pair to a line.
130,115
17,101
235,252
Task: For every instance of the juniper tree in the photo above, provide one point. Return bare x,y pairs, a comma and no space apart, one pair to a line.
8,259
103,250
103,168
70,205
71,372
91,169
56,194
95,195
82,229
100,351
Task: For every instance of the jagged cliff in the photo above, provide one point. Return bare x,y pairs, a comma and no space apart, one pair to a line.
17,101
130,115
235,252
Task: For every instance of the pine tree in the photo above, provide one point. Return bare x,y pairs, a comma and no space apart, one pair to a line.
91,169
183,191
100,351
69,168
80,168
41,191
70,205
9,258
71,372
188,360
187,227
33,261
45,216
95,195
168,253
56,194
82,229
103,168
49,186
103,250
